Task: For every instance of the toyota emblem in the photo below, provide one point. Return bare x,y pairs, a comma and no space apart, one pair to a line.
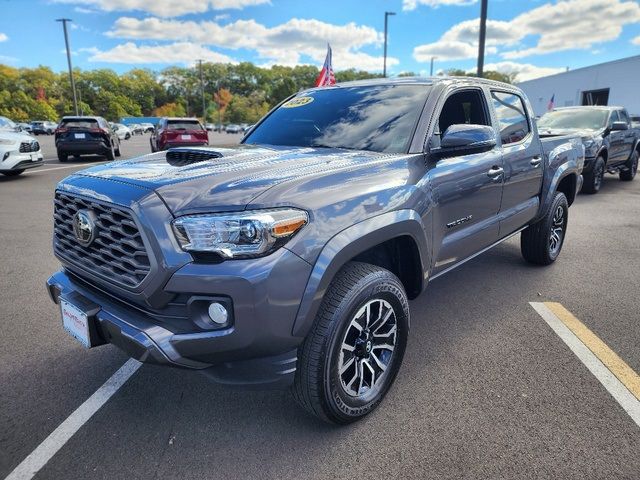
84,227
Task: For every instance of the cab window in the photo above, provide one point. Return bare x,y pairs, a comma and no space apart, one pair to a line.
512,117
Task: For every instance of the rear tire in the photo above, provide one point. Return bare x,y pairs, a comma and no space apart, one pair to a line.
117,151
593,179
111,154
350,358
62,157
12,173
632,168
542,242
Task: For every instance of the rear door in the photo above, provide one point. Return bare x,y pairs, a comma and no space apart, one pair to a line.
629,136
466,188
523,162
616,141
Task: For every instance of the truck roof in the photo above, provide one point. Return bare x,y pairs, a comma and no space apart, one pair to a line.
595,107
422,81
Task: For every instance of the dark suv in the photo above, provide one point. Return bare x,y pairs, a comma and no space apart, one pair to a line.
178,132
86,136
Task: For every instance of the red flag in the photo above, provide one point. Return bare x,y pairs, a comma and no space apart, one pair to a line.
326,76
551,104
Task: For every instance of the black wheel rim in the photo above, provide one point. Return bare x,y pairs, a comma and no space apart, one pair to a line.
367,349
558,223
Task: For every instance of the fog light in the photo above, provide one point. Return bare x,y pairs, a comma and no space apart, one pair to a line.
217,313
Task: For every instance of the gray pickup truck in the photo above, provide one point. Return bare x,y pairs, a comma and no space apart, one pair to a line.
289,260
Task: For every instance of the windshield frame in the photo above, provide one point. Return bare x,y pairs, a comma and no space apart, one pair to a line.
414,129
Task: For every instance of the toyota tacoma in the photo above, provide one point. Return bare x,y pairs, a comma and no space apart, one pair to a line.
289,260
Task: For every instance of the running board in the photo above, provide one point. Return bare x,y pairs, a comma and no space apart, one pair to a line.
447,270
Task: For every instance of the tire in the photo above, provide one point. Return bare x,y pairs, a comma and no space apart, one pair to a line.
13,173
318,386
632,168
542,241
117,151
62,157
593,179
110,154
127,136
153,149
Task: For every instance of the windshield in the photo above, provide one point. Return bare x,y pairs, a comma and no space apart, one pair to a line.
377,118
574,118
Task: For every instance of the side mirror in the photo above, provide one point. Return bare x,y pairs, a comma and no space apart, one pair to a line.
618,126
465,139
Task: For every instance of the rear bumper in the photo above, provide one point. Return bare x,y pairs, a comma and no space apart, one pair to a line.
92,147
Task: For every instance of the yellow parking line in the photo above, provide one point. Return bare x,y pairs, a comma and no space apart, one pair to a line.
627,376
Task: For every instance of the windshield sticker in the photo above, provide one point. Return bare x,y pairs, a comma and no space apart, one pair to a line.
297,102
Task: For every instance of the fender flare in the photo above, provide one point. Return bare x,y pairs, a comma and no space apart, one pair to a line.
349,243
562,172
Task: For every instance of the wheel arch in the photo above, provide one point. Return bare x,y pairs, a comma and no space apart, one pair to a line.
383,241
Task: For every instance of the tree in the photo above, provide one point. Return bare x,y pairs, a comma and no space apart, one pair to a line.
169,110
222,98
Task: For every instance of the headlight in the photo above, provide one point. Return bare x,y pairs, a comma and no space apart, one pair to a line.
241,234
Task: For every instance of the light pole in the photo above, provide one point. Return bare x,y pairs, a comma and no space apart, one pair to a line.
204,113
431,70
483,34
66,42
386,16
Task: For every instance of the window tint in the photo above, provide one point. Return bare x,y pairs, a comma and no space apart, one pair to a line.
183,125
623,116
613,118
79,123
463,107
512,117
377,118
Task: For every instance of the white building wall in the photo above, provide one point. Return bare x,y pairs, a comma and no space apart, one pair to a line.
621,77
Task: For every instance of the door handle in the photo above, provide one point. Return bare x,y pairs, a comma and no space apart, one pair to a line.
535,161
495,172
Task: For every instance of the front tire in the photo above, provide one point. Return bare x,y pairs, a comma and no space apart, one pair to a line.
352,354
632,167
593,180
541,242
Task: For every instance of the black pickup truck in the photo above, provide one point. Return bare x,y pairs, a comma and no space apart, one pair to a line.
611,141
289,260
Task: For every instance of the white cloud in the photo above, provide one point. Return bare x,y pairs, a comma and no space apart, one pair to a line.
180,52
565,25
636,41
285,44
413,4
3,37
165,8
522,71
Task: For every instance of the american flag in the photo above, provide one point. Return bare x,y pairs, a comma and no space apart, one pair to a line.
551,102
326,76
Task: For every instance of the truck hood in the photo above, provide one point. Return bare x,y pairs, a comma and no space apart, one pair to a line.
231,181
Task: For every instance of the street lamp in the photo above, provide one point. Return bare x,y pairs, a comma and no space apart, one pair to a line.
386,16
66,42
431,70
483,34
204,111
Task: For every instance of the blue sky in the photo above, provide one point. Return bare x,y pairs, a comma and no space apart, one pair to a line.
530,38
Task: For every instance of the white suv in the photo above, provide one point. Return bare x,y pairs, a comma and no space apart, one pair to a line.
18,151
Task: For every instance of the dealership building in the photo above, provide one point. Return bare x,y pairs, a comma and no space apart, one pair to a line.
611,83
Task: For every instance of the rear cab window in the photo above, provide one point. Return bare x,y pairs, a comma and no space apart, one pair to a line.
512,117
79,123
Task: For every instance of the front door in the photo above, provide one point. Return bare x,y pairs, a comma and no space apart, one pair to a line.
466,189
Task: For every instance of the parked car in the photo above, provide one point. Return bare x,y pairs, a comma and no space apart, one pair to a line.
136,128
290,259
148,127
18,150
122,131
635,121
611,143
178,132
210,127
7,124
233,128
218,128
86,136
25,127
43,127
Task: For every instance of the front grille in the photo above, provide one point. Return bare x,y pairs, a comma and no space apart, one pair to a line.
27,147
117,253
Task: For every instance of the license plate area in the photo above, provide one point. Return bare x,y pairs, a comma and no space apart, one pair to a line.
185,137
79,135
79,320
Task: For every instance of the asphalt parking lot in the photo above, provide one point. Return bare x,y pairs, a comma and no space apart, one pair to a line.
487,388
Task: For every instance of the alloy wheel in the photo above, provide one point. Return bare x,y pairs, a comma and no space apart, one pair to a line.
557,230
367,348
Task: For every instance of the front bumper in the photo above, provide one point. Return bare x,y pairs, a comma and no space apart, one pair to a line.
15,160
256,349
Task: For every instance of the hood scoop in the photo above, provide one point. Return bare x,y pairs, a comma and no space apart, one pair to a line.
179,157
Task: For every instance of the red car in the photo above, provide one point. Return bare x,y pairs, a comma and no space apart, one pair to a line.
178,132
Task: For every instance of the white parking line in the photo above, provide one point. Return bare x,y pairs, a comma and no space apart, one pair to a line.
56,440
623,395
37,170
